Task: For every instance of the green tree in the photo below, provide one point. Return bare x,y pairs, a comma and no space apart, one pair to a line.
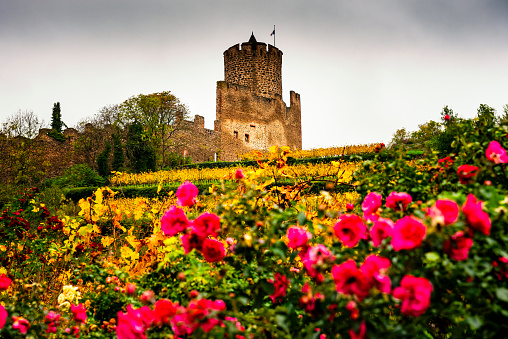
103,161
56,118
140,153
118,156
161,115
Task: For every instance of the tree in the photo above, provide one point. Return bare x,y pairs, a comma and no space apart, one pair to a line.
162,116
103,161
140,153
118,157
56,118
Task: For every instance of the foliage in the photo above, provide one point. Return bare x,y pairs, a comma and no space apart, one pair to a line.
79,175
56,118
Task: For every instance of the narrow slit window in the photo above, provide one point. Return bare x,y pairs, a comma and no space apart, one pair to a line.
253,126
235,133
246,138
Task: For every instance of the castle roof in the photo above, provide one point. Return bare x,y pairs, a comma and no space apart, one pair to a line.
252,39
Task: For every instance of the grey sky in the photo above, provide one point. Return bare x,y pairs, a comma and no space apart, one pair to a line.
363,68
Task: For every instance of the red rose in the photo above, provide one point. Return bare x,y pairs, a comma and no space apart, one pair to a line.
458,246
174,221
398,201
466,173
415,295
446,117
79,313
206,224
3,316
371,204
5,282
350,229
297,237
350,280
280,284
213,250
408,233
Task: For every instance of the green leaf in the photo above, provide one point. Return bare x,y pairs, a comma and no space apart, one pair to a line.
474,322
432,256
502,294
302,218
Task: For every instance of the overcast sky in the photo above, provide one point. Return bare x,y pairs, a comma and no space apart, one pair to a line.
363,68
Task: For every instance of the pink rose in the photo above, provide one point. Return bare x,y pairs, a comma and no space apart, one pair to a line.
350,229
371,204
130,288
444,212
382,229
5,282
213,250
349,279
458,246
315,259
466,173
79,313
408,233
398,201
207,224
186,194
477,218
415,295
3,316
350,207
20,324
496,153
297,237
134,323
147,297
373,269
239,174
174,221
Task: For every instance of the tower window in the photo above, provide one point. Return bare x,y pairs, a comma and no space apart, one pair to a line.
235,133
252,125
246,138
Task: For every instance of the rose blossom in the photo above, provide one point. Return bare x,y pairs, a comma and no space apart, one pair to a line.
466,173
213,250
5,282
297,237
280,284
20,324
164,310
408,233
3,316
79,313
349,279
382,229
398,201
361,333
496,153
130,288
444,212
350,229
174,221
373,269
458,246
371,204
206,224
239,174
415,295
134,323
186,194
314,258
477,218
192,241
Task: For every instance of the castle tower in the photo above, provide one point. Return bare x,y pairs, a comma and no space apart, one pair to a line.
251,114
255,67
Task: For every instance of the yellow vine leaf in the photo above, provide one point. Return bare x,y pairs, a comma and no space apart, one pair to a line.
106,241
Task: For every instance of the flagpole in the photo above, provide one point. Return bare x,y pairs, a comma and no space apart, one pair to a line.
273,35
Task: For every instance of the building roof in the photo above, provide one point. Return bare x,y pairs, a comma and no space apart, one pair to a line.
252,39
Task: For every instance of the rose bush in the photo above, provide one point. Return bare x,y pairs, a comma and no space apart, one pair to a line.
422,255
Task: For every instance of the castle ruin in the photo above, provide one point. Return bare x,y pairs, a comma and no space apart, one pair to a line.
250,112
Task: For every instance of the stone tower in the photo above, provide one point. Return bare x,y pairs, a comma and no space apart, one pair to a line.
250,112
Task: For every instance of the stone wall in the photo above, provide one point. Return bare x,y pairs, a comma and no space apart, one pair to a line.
196,141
